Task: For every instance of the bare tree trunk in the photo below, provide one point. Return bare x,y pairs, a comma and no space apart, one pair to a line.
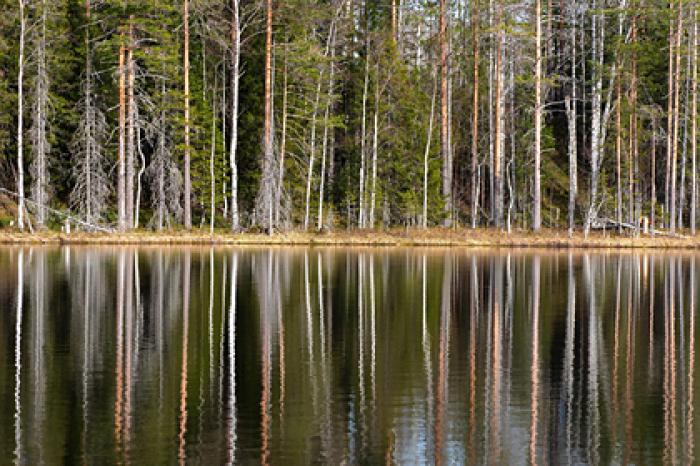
161,166
571,116
121,159
498,155
224,152
139,178
39,130
235,77
268,162
669,121
444,129
475,113
491,188
653,175
89,181
312,155
130,127
375,143
393,22
679,31
618,150
511,166
212,175
684,154
425,157
537,196
20,117
635,192
596,140
363,136
329,106
693,120
90,117
283,140
186,72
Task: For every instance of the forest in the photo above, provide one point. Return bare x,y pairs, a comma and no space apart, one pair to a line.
314,115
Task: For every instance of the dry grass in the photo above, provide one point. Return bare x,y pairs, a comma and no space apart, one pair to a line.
393,237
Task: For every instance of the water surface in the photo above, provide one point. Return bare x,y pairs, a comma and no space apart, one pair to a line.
307,355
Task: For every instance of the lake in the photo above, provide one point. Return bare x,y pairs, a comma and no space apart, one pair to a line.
356,355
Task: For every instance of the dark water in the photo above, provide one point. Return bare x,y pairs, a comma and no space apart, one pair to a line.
297,356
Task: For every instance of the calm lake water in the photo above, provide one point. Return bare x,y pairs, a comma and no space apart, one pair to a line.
298,356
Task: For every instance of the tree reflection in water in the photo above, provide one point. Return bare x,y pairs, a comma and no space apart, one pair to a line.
358,355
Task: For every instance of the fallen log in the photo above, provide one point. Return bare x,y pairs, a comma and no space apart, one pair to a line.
603,223
72,218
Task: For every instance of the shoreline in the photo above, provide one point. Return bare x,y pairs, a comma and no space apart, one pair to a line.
437,237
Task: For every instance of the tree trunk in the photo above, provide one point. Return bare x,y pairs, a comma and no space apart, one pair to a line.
312,155
20,117
571,116
212,175
90,119
267,144
475,114
618,150
669,122
235,77
393,22
693,120
653,175
161,165
283,141
676,113
444,130
498,117
425,158
375,148
186,72
363,137
537,197
139,177
130,127
684,153
39,130
597,56
635,194
329,106
121,159
224,187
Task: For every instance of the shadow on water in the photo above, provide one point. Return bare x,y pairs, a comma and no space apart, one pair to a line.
297,355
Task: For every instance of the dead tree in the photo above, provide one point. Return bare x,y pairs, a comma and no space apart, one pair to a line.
39,131
537,197
20,116
89,169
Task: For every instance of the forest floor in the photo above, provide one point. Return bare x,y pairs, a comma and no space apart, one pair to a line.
393,237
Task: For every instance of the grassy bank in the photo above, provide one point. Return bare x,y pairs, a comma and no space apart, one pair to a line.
395,237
